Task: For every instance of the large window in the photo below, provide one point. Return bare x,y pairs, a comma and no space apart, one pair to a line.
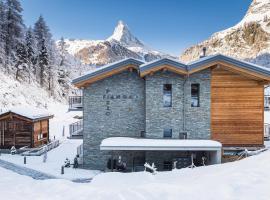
167,95
195,95
167,133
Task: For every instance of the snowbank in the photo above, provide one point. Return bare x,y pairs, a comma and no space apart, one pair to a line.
247,179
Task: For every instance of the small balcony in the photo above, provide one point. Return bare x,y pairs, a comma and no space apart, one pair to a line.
76,130
266,131
75,103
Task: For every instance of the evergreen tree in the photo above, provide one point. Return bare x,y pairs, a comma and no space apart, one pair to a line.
43,62
2,32
21,59
31,50
63,51
42,32
13,27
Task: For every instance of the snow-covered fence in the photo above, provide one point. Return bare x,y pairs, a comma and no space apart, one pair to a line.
39,151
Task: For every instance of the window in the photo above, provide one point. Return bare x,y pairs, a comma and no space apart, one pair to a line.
183,135
167,133
143,134
167,95
195,95
167,165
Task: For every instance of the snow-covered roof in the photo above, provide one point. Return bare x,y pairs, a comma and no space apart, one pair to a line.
127,143
28,112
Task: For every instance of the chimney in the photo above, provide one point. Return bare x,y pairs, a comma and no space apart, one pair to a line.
204,52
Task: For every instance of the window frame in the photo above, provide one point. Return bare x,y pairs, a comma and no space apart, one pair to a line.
195,97
167,94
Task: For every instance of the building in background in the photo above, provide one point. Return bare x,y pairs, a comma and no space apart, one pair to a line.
24,127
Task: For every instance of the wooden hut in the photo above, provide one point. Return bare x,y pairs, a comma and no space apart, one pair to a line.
21,127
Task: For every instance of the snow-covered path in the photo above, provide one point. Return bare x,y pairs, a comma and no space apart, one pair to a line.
25,171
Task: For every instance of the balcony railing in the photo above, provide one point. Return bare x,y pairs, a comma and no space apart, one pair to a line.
266,131
76,129
75,102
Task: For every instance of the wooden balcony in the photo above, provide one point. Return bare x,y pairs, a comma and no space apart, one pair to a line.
75,103
76,130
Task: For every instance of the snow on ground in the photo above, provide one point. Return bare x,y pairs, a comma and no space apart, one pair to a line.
56,157
247,179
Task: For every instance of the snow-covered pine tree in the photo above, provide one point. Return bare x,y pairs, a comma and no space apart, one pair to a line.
43,62
2,33
62,50
31,49
13,27
21,59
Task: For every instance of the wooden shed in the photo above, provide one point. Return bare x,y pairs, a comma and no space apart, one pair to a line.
21,127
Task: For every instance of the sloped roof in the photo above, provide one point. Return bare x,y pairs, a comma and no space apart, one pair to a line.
28,112
107,68
163,61
238,63
175,66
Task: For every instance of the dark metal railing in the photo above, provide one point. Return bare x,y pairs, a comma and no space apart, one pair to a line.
266,130
75,102
76,129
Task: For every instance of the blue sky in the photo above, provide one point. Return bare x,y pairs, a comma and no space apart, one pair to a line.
167,25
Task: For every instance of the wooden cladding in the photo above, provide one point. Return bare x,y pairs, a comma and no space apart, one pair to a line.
18,131
237,104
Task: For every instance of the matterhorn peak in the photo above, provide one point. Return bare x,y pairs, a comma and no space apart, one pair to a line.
123,35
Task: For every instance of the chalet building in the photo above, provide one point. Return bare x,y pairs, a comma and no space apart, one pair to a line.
167,112
22,127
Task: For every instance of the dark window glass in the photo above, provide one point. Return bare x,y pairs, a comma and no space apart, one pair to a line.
183,135
167,165
167,133
195,95
167,95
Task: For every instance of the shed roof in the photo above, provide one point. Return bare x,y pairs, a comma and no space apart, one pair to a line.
28,112
127,143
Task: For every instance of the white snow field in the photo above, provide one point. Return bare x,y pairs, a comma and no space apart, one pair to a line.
247,179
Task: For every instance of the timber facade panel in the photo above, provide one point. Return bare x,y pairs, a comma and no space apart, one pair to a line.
237,109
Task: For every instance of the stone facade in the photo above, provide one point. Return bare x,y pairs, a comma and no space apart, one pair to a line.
158,117
112,107
125,104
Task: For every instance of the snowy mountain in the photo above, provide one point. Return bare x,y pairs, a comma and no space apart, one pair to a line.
121,44
248,40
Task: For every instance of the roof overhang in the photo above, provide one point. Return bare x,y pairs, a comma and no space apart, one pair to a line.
261,74
143,144
241,67
107,71
163,64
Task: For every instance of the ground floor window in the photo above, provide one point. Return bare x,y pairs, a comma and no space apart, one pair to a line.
167,133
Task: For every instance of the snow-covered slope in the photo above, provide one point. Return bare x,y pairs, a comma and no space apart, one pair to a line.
122,44
15,93
249,39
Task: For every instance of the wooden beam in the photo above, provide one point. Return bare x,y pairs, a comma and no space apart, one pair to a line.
167,68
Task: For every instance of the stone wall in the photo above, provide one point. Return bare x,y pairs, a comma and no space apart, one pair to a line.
112,107
125,105
158,117
198,119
